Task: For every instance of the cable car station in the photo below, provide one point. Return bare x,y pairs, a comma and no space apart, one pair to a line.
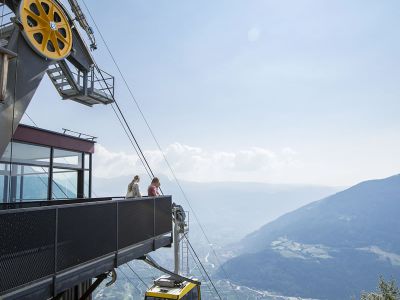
57,241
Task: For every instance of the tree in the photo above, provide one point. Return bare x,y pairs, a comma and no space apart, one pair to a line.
388,290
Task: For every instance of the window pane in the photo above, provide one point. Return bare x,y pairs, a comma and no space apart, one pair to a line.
86,184
4,177
65,184
68,159
23,183
2,187
87,161
31,183
27,154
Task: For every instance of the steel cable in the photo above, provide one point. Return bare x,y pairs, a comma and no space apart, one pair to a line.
158,145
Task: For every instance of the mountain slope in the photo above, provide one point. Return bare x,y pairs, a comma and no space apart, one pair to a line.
329,249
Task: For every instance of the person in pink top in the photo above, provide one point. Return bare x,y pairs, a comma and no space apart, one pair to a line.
153,191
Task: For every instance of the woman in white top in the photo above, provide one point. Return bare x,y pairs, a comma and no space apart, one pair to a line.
133,188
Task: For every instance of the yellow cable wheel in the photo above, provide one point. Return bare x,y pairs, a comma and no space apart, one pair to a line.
46,28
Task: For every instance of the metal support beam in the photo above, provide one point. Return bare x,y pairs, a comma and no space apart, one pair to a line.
90,290
25,73
5,56
147,259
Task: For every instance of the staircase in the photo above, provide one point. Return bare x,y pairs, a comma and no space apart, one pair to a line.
89,88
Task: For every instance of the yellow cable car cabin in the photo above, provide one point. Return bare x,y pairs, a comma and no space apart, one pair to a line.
174,285
164,289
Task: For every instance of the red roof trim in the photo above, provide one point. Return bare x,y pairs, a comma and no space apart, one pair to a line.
34,135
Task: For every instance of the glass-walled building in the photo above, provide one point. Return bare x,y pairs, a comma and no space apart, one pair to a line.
44,165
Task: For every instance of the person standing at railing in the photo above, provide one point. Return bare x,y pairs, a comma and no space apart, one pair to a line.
153,189
133,188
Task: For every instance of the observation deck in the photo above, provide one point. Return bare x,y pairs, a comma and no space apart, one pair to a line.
48,247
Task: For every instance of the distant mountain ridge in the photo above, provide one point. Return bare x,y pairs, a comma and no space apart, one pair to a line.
330,249
246,206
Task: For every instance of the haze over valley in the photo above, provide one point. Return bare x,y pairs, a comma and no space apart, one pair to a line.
277,239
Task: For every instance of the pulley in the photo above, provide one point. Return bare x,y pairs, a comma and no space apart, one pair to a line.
46,28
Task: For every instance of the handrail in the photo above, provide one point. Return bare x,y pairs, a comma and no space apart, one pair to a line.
35,204
106,79
80,134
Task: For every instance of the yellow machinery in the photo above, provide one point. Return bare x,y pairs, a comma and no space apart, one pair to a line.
46,28
185,290
174,286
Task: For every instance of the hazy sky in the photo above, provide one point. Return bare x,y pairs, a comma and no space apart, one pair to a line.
270,91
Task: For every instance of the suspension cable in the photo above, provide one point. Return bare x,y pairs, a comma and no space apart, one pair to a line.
159,147
130,281
137,275
31,120
139,149
130,131
132,143
192,249
201,273
202,266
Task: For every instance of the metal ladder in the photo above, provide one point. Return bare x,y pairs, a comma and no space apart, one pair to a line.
185,250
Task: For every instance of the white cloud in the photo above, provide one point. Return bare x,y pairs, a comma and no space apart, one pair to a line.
196,164
253,34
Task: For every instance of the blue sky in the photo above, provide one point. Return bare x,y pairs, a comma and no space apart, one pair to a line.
270,91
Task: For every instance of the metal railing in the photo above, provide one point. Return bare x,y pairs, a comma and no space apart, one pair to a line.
79,134
95,83
49,239
102,81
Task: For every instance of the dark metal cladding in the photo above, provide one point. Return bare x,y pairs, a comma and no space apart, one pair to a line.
163,208
46,249
85,233
27,247
134,223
